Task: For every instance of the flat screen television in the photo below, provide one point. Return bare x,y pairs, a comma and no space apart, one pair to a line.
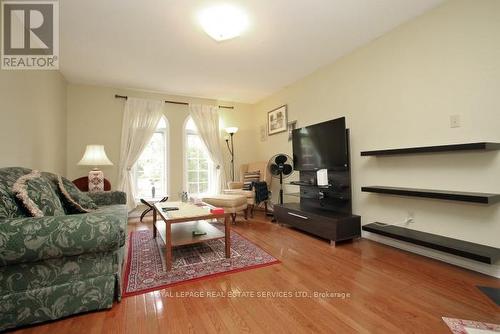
322,145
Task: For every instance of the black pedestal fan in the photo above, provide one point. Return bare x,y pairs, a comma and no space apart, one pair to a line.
280,166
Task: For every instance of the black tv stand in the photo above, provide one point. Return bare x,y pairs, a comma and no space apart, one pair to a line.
325,211
331,225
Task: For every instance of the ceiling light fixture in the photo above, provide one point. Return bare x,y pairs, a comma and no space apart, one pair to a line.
223,22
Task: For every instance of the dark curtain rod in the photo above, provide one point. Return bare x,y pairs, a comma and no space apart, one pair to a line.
166,101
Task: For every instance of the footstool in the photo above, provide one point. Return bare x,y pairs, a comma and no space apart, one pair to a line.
230,203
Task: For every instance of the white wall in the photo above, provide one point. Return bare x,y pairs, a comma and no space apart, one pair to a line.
33,120
400,91
95,116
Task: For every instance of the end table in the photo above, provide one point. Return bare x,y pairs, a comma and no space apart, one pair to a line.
149,205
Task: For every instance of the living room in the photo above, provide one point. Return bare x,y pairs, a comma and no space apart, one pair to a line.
328,166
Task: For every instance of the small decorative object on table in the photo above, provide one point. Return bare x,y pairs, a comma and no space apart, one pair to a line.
195,200
217,211
95,156
184,196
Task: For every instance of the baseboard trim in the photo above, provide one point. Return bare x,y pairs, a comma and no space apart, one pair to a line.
487,269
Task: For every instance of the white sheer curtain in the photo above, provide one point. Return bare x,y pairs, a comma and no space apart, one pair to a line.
206,119
139,123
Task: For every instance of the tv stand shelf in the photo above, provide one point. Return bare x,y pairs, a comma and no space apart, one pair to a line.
471,197
331,225
339,197
304,184
473,251
482,146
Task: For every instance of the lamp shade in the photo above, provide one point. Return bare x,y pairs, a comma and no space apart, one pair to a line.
95,156
232,130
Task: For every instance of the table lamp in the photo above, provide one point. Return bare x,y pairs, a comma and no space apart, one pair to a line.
95,156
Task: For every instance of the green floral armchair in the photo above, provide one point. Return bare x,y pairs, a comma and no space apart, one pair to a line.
55,266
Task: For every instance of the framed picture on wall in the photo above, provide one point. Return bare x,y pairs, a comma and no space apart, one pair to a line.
277,120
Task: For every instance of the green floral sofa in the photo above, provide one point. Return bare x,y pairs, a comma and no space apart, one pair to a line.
56,266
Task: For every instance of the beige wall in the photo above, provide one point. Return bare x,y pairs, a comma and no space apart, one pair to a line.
95,116
400,91
33,120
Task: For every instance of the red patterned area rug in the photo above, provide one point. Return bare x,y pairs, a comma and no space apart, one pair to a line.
459,326
145,268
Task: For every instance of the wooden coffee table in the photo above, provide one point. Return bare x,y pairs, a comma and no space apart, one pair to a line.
176,227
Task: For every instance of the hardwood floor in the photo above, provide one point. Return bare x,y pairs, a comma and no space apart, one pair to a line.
391,291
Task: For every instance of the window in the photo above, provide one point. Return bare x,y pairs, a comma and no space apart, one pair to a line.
200,171
150,171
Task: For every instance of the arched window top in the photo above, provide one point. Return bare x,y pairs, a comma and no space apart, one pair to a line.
162,124
190,126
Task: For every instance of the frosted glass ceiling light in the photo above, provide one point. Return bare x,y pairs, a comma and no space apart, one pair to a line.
223,22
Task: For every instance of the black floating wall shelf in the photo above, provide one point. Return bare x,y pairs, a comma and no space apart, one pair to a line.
477,252
461,196
482,146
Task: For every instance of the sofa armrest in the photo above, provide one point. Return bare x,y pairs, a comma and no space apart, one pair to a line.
235,185
34,239
108,197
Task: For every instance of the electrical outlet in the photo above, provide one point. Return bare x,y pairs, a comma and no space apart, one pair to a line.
454,121
410,218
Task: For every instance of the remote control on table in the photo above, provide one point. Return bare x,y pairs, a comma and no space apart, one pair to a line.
165,209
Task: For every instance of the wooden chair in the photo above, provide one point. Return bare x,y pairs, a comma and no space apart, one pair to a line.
82,183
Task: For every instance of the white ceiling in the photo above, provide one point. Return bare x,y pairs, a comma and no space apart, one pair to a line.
158,45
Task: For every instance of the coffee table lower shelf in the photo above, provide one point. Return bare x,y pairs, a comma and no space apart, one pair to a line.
182,234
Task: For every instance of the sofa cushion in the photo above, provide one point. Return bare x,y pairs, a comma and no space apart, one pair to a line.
75,200
36,194
9,207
